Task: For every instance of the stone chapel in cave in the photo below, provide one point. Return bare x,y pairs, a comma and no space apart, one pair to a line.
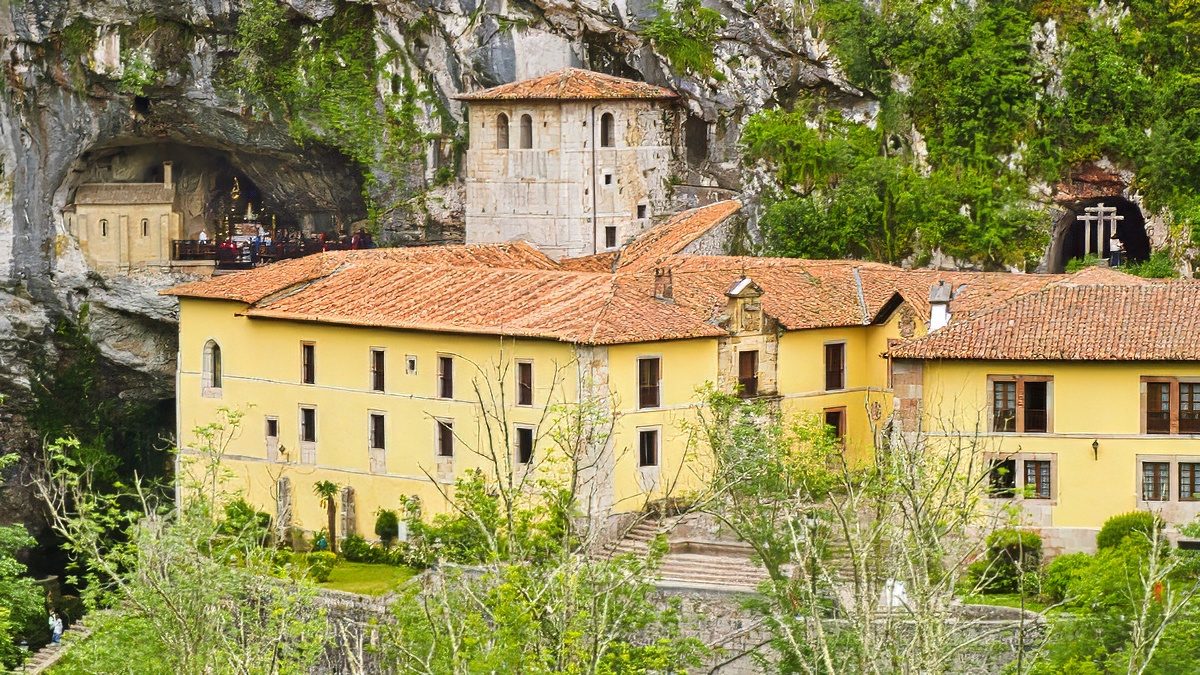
125,226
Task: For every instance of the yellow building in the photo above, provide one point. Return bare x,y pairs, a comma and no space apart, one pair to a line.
373,369
122,226
1085,395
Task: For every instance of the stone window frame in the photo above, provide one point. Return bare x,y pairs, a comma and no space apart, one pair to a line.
521,133
991,458
1019,424
104,227
517,429
1173,402
612,129
212,370
145,227
441,427
638,378
532,382
656,429
308,362
503,131
445,385
1173,461
271,440
840,434
377,371
308,448
825,360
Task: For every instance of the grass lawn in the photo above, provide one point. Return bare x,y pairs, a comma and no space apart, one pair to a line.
1003,600
367,579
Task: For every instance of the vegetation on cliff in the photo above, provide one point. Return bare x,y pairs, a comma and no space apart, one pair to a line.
978,103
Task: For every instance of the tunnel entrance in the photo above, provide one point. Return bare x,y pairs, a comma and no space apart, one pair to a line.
1097,226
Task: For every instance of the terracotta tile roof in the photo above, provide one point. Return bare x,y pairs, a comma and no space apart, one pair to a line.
124,193
674,235
1076,321
251,286
569,306
571,84
601,262
800,294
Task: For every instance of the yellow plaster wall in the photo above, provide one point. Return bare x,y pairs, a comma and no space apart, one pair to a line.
261,364
1091,402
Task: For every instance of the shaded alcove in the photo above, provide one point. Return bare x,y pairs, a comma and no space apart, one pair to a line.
318,192
1071,234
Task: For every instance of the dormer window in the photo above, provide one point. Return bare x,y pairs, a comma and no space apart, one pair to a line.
501,131
526,132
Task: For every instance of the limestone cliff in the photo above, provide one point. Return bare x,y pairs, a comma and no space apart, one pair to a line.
100,90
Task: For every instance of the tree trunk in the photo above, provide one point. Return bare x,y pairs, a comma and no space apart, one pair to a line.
331,513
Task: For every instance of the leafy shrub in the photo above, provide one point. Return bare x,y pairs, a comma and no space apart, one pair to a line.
387,526
320,565
1159,266
687,36
1117,528
1076,264
356,549
1064,572
1010,554
243,519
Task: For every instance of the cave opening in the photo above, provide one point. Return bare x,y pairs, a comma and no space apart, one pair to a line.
321,193
1092,227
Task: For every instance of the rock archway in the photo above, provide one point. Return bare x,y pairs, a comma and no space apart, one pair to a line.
1090,187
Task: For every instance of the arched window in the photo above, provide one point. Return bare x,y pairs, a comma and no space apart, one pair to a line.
606,131
145,227
103,228
526,131
212,368
501,131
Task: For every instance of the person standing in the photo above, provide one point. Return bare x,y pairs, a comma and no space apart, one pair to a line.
56,628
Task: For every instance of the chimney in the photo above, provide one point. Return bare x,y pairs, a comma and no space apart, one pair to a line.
662,284
939,305
168,179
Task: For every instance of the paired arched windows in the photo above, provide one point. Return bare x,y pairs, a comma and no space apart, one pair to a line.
212,367
526,132
607,131
501,131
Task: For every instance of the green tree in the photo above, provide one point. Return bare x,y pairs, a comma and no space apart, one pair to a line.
328,492
22,604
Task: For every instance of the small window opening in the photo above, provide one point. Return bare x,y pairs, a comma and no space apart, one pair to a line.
377,369
524,445
308,425
641,211
377,432
445,438
610,236
1002,479
648,447
308,363
526,132
748,372
445,377
524,383
606,131
103,228
212,365
145,227
607,178
649,382
501,131
410,364
835,421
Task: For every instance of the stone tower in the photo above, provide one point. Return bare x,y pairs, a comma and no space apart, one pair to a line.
574,162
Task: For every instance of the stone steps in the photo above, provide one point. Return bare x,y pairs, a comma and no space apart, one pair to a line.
50,654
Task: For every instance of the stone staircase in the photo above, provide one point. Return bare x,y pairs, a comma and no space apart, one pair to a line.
49,655
722,565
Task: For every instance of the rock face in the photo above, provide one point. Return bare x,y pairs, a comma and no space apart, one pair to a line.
92,89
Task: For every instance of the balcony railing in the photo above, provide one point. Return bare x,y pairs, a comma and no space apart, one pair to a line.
248,254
